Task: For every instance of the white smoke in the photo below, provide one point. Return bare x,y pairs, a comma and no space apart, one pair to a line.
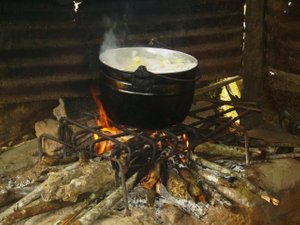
110,39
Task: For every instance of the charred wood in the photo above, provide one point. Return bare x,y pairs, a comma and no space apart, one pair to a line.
177,186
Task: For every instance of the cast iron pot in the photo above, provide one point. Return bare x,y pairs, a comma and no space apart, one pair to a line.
147,97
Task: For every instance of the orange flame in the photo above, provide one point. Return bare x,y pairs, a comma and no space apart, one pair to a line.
185,138
104,123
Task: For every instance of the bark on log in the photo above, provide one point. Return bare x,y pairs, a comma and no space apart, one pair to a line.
18,157
238,195
214,166
177,186
35,194
199,210
216,197
225,150
14,194
101,208
209,176
283,156
38,208
69,184
50,127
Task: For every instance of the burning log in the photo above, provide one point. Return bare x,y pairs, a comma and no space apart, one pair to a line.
193,187
225,150
101,208
177,186
69,184
149,181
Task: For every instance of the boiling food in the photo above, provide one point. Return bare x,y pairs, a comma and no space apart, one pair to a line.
158,64
156,60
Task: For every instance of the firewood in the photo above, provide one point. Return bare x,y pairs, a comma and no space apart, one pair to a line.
106,204
261,193
149,181
225,150
79,208
209,176
243,197
18,157
50,127
283,156
20,183
193,187
39,208
177,186
199,210
35,194
69,184
238,195
217,198
214,166
14,194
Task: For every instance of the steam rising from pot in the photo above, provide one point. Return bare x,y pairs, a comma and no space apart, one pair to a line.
110,39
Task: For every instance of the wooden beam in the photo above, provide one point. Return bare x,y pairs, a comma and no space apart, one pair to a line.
253,58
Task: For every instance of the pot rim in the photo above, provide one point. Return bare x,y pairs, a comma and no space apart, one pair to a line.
104,55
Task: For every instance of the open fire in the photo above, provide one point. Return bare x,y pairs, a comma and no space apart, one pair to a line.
173,166
103,124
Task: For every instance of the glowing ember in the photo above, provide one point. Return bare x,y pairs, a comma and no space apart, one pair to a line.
103,123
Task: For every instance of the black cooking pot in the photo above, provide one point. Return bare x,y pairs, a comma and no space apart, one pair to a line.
147,87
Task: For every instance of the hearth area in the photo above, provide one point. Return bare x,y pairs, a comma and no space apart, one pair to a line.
149,112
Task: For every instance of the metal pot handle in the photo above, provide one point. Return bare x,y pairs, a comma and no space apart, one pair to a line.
155,43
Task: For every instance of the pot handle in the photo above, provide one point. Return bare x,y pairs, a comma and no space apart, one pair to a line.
155,43
142,79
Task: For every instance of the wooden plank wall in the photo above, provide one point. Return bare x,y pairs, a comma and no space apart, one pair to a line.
48,51
282,64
